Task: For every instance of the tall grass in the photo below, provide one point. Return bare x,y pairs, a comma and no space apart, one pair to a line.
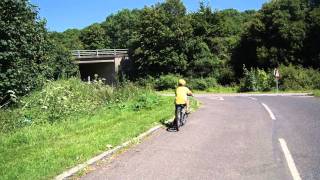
44,148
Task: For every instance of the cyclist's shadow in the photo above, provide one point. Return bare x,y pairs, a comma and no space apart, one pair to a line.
169,125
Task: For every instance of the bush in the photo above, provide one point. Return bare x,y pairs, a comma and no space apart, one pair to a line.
226,76
166,82
69,99
171,81
299,78
63,98
146,101
148,81
55,102
202,83
256,80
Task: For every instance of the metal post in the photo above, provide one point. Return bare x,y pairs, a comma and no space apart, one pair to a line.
78,53
277,85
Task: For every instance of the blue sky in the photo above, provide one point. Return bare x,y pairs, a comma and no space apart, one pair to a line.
64,14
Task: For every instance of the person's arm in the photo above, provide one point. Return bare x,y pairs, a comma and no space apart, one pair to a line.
189,93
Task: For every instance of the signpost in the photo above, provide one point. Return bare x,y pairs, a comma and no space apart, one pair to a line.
277,77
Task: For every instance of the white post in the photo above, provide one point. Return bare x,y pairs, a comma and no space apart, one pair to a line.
277,84
277,77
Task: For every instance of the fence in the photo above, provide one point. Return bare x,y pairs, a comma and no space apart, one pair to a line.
99,53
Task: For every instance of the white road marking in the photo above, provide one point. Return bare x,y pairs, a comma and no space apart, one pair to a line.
293,169
253,98
269,111
217,98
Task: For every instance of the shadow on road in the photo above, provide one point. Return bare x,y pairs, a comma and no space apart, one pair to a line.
169,125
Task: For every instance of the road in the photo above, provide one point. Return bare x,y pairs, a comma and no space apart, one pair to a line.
229,138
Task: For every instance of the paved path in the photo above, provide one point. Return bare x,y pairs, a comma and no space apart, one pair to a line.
229,138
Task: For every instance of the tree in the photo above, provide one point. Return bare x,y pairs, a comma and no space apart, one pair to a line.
27,56
311,44
70,39
202,63
121,28
275,36
93,37
160,45
23,47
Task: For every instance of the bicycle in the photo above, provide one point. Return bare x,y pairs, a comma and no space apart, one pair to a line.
181,116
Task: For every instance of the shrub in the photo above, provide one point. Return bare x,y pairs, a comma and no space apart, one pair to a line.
146,101
68,99
55,102
299,78
166,82
226,76
148,81
202,83
256,80
62,98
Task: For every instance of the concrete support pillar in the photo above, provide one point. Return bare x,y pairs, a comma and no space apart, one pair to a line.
117,61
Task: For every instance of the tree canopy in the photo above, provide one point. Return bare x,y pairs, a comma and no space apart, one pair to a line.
163,39
26,52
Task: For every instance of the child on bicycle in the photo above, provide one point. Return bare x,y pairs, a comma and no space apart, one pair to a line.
182,93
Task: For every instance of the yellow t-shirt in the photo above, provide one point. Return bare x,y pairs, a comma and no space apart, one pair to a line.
182,94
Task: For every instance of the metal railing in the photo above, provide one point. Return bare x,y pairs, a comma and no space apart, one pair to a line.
99,53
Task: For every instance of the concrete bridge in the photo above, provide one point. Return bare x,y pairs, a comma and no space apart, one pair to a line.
106,63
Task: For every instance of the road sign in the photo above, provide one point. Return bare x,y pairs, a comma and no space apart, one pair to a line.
277,76
276,73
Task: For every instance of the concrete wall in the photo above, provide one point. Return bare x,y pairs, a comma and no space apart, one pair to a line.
104,70
107,68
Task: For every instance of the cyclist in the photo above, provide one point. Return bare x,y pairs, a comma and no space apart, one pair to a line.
182,93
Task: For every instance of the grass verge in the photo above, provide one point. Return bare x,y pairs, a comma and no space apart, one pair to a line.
43,151
316,93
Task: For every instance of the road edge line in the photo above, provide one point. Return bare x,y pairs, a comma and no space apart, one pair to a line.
272,116
292,166
91,161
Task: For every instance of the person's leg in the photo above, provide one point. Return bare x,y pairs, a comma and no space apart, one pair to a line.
188,106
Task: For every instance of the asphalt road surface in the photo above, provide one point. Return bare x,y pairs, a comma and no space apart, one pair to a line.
229,138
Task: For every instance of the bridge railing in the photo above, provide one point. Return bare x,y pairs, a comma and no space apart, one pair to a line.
99,53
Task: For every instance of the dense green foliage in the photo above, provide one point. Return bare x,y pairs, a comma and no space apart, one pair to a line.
298,78
59,100
27,55
69,39
282,32
165,39
93,37
256,80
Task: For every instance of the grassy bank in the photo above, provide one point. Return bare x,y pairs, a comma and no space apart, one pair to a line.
42,150
316,93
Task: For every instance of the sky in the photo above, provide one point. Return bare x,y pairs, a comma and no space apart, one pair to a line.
65,14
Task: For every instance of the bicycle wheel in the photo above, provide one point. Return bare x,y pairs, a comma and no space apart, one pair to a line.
184,118
178,118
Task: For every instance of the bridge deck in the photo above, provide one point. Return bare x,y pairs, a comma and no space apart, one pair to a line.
99,53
